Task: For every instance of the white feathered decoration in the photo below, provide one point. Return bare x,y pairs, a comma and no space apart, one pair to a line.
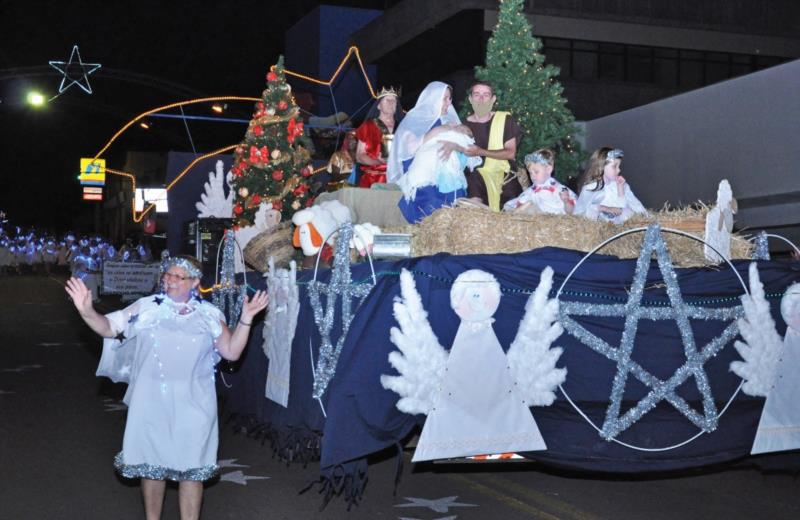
214,202
421,359
532,361
761,348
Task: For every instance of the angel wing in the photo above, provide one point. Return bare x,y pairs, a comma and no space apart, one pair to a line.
214,203
762,345
421,359
531,360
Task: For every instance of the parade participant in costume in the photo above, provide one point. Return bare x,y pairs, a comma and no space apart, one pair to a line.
375,137
604,193
496,138
546,194
169,344
433,108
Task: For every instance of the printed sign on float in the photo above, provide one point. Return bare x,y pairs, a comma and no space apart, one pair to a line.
130,277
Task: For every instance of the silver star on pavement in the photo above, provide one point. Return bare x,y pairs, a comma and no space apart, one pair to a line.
230,463
237,477
453,517
440,505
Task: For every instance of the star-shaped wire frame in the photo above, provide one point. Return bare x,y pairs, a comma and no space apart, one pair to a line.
86,70
340,285
633,311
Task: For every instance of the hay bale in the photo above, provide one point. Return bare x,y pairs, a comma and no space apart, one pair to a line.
276,243
470,230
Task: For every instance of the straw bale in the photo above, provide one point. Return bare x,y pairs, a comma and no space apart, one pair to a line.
472,230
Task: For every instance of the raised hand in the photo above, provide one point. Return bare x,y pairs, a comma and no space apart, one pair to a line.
254,305
80,294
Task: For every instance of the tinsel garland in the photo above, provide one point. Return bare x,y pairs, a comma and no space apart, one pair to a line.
340,285
761,251
633,311
229,297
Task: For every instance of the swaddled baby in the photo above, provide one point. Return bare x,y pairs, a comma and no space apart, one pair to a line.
429,168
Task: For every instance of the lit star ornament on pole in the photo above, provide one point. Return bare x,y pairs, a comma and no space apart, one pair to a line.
70,79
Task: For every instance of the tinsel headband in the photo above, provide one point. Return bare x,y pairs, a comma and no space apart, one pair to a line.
537,158
616,153
175,261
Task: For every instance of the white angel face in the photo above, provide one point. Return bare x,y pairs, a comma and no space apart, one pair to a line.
475,295
790,307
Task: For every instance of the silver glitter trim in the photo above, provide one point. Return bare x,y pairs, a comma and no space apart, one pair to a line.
761,251
229,297
155,472
340,285
184,264
633,311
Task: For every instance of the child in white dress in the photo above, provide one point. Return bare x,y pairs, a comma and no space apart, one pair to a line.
604,193
546,194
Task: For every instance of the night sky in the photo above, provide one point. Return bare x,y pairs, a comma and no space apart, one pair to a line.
152,53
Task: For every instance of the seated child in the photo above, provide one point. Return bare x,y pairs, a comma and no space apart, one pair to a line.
546,194
432,180
604,193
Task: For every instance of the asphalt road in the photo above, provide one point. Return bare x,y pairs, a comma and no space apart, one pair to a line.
60,427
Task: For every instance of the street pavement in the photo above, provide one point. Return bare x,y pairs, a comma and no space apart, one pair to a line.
60,428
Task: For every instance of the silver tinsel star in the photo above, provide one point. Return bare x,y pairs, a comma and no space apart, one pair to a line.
439,505
69,75
340,285
633,311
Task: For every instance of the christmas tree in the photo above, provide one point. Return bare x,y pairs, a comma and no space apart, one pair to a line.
271,165
527,88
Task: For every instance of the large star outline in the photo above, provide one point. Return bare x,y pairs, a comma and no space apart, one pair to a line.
86,70
633,311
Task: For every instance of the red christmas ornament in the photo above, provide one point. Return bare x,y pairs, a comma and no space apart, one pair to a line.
277,175
256,199
238,209
305,172
282,105
271,76
258,130
277,205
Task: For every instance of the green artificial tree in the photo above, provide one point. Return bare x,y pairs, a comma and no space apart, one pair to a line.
271,165
527,88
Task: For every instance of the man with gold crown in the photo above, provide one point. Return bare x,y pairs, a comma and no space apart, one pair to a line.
375,137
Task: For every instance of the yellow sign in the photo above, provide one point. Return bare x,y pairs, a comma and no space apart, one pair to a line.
93,171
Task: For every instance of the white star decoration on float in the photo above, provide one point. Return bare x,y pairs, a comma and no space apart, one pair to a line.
633,311
68,79
439,505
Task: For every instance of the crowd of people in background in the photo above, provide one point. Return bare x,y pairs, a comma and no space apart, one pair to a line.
33,251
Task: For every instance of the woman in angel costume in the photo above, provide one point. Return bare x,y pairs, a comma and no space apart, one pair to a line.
464,418
165,347
422,193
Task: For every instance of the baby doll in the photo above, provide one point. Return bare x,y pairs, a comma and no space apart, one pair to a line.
604,193
546,194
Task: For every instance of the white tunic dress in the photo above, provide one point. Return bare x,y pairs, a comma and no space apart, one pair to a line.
168,358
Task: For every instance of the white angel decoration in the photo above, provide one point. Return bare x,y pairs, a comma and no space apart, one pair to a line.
466,418
279,329
214,202
719,225
770,367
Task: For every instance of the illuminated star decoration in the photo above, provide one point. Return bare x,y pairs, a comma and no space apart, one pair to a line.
633,311
69,79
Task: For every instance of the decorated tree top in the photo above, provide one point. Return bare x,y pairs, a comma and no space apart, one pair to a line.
527,88
270,165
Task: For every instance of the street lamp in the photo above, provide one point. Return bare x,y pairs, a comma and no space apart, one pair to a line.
36,99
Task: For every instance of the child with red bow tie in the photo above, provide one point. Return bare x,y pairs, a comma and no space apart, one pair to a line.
545,195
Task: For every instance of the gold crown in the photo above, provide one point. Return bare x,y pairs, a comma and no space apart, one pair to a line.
383,92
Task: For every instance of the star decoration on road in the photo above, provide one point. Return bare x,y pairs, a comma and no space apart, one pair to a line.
67,70
439,505
633,311
238,477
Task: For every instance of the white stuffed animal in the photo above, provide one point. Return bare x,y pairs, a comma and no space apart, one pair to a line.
316,225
